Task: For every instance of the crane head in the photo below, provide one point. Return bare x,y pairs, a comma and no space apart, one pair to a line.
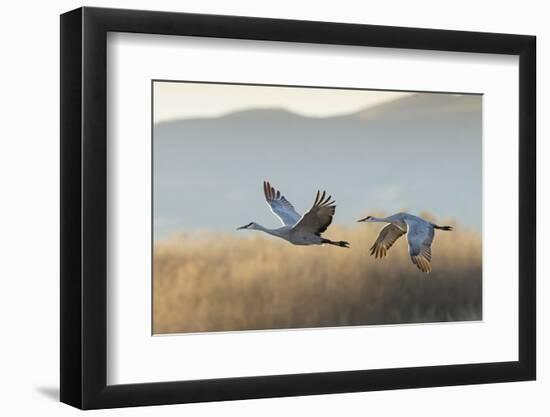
366,219
247,226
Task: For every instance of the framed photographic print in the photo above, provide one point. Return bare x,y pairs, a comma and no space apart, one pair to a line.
257,207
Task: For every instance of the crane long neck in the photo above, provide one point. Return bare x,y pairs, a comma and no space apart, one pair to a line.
273,232
380,219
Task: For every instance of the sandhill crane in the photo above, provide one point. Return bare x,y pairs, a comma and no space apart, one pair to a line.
420,234
299,230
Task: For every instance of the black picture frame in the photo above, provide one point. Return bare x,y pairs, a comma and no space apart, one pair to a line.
84,207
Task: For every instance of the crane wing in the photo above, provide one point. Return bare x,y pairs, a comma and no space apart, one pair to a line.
319,216
386,238
420,236
280,206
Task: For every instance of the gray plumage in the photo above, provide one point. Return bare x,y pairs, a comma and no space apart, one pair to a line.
296,229
420,235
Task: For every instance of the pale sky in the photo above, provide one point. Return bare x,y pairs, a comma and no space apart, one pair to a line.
179,100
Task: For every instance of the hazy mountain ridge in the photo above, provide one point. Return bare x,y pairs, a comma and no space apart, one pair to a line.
416,105
422,105
429,142
408,112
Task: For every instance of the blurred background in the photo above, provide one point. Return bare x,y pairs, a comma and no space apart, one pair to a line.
376,152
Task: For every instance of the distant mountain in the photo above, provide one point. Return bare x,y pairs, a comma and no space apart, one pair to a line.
422,152
423,105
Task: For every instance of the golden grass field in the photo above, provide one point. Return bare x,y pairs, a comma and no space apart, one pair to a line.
250,281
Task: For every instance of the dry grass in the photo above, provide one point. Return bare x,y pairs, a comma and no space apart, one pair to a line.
223,282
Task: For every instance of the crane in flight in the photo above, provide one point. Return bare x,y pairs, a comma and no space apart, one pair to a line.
420,234
296,229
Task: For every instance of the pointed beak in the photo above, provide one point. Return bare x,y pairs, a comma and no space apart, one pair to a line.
363,219
242,227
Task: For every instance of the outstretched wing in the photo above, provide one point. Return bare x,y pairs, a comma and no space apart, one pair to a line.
280,206
420,236
319,217
386,238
